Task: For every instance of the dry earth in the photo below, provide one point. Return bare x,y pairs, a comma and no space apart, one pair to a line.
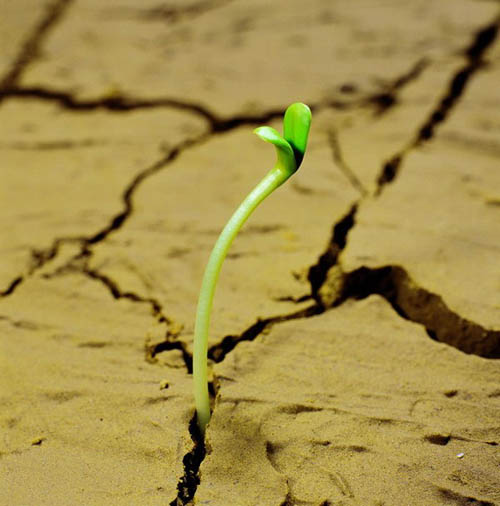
356,329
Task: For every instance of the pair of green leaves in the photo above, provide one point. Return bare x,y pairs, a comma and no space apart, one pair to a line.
292,145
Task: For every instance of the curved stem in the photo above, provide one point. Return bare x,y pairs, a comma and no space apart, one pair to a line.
274,178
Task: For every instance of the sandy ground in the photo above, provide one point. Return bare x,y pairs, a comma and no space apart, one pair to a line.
356,330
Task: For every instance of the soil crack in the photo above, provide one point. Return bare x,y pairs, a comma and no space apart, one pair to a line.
80,263
342,164
482,41
450,495
115,102
40,257
170,343
388,98
318,273
219,351
189,482
331,286
12,286
118,293
474,54
419,305
121,217
122,102
30,49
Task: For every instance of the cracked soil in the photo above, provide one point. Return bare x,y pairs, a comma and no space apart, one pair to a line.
355,335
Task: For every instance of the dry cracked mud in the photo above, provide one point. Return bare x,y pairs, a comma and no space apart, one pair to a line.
356,330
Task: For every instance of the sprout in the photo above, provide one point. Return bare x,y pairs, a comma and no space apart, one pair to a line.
290,149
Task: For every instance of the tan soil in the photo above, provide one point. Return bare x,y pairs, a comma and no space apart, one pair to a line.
356,329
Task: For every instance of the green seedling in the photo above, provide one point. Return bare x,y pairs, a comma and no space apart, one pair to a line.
290,149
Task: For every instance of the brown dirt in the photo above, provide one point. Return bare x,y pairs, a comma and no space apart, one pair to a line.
356,331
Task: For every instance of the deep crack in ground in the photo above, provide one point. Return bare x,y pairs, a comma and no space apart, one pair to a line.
418,305
187,485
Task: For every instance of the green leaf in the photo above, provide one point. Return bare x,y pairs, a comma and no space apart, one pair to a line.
296,124
286,156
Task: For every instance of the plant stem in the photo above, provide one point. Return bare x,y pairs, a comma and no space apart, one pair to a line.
290,149
274,178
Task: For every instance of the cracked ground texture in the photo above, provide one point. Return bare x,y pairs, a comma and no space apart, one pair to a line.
356,327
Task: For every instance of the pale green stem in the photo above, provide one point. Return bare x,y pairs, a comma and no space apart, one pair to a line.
274,178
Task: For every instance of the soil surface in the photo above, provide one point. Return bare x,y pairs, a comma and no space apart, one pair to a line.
355,339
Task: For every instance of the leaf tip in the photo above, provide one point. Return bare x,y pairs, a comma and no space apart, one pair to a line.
296,125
